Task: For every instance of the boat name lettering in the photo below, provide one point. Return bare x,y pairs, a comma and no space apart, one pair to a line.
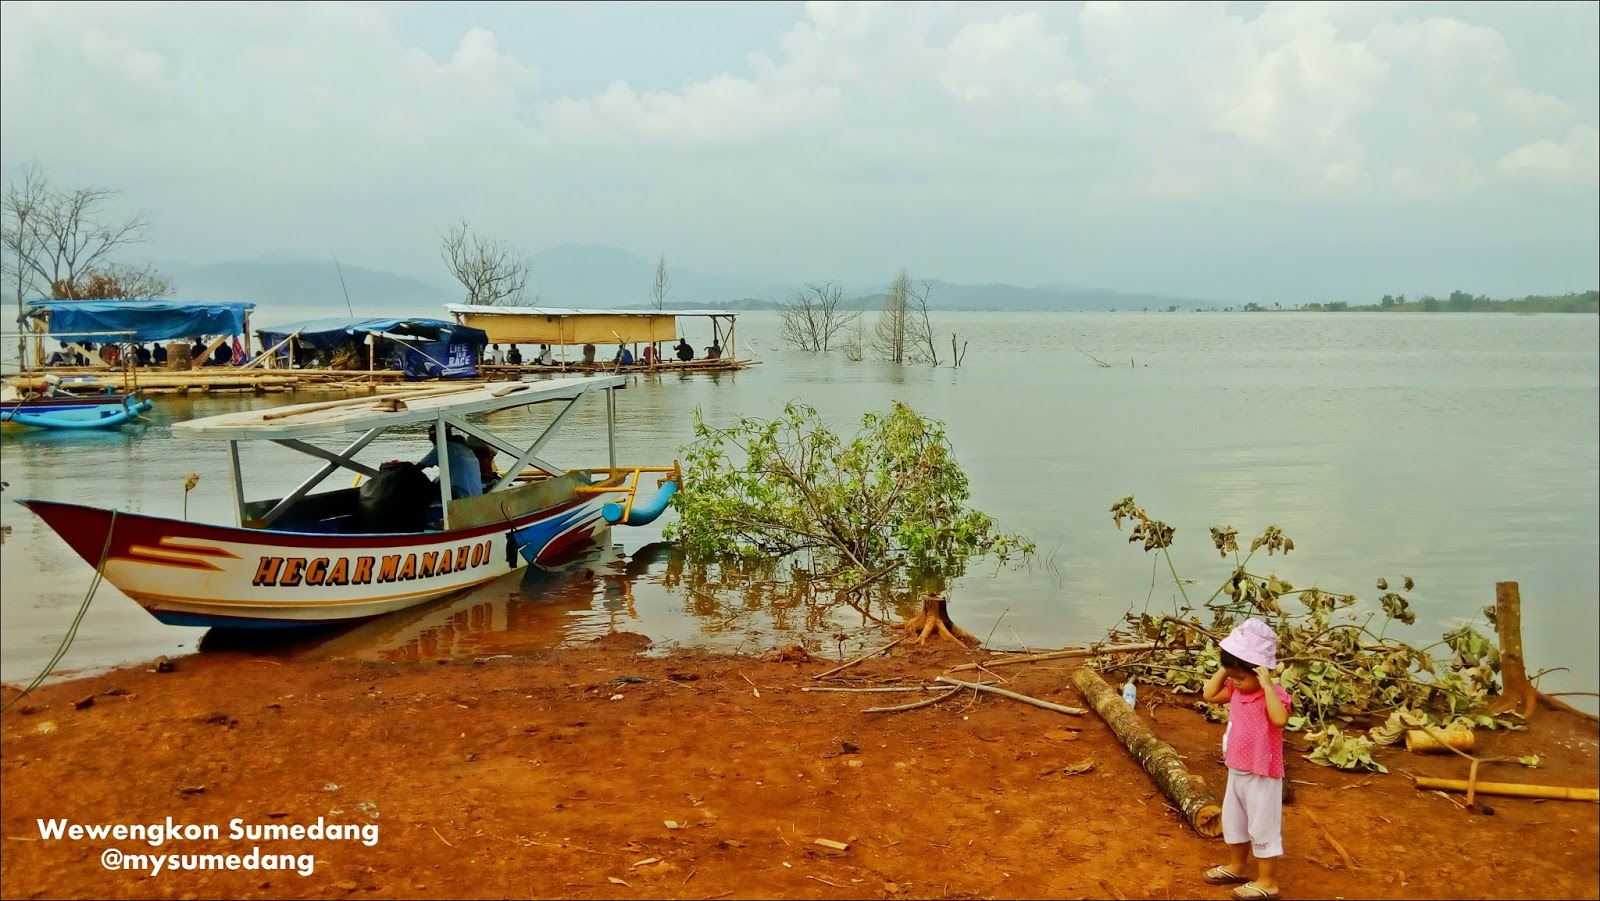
324,571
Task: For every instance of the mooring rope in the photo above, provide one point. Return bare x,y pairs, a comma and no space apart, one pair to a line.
72,632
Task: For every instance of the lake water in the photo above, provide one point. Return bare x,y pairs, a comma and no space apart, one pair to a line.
1458,449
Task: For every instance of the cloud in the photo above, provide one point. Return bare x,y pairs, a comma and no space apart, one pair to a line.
853,132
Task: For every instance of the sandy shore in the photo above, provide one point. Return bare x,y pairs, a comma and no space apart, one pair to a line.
600,773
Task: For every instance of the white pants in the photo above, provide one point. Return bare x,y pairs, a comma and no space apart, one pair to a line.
1252,811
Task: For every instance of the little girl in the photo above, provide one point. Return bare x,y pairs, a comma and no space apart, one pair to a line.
1252,747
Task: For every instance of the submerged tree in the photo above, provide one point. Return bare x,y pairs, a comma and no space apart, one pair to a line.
661,285
489,269
889,503
812,316
903,333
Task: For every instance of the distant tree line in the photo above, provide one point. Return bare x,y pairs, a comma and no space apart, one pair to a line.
1462,302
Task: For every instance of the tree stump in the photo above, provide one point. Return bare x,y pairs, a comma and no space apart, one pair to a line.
1517,694
1190,792
934,621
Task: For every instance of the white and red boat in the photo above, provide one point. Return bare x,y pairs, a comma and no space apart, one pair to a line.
353,553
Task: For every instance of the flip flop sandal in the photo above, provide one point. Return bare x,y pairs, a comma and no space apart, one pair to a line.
1223,876
1250,891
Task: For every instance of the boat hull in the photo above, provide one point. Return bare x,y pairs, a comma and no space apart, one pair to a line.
105,412
198,574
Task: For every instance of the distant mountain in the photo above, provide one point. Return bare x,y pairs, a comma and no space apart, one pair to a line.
304,283
597,275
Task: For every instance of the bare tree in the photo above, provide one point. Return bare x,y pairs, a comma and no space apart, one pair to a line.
902,333
812,316
662,284
22,206
488,268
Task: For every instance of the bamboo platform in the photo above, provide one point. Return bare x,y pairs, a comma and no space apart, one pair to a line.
666,367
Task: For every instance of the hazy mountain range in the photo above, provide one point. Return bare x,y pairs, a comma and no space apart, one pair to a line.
578,275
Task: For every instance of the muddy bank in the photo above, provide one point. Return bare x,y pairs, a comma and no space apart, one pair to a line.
596,772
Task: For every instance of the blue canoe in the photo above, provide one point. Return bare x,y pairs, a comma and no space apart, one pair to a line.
107,412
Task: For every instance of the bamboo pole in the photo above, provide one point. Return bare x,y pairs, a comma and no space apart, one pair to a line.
1513,789
1191,793
978,686
350,401
1056,655
1421,741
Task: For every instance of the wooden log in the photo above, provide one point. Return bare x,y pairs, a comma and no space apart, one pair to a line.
1189,792
1517,693
979,686
1419,741
1513,789
1056,655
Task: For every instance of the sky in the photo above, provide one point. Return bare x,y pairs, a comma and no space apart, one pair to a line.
1285,152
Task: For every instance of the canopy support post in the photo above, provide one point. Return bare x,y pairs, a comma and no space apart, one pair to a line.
442,450
238,478
611,425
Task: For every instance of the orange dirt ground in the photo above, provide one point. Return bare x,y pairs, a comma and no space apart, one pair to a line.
547,777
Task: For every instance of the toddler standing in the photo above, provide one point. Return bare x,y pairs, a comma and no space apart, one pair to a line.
1252,748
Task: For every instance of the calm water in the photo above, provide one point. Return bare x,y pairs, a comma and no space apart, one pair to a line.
1458,449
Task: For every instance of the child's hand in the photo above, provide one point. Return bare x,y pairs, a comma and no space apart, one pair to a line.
1264,674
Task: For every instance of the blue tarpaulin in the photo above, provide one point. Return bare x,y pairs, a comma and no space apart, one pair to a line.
331,332
147,320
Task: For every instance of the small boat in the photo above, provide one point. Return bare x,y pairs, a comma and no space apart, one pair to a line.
570,333
362,551
51,408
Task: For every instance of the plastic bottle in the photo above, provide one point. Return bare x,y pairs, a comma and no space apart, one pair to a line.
1129,692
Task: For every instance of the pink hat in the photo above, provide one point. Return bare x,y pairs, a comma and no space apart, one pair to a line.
1253,641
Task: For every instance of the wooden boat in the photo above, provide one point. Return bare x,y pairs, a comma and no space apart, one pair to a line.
315,558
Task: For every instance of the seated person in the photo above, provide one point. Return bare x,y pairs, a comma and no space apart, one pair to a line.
62,357
685,352
222,356
466,473
588,353
545,357
197,350
714,352
648,355
144,355
624,355
514,356
160,355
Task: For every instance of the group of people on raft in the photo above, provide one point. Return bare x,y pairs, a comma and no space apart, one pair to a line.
494,356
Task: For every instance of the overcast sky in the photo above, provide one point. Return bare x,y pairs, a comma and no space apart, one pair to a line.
1239,151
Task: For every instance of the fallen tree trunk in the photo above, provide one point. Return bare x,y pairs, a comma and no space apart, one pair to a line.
1512,789
1190,792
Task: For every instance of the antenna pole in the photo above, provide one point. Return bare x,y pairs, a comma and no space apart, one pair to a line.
340,270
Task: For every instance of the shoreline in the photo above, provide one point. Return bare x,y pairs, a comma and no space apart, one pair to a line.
556,775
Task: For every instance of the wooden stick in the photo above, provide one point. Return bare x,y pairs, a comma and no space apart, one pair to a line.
1349,862
1190,793
1429,741
1513,789
882,688
926,702
1056,655
978,686
861,658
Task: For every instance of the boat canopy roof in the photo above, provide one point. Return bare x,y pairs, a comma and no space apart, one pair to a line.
566,325
363,413
141,320
332,331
